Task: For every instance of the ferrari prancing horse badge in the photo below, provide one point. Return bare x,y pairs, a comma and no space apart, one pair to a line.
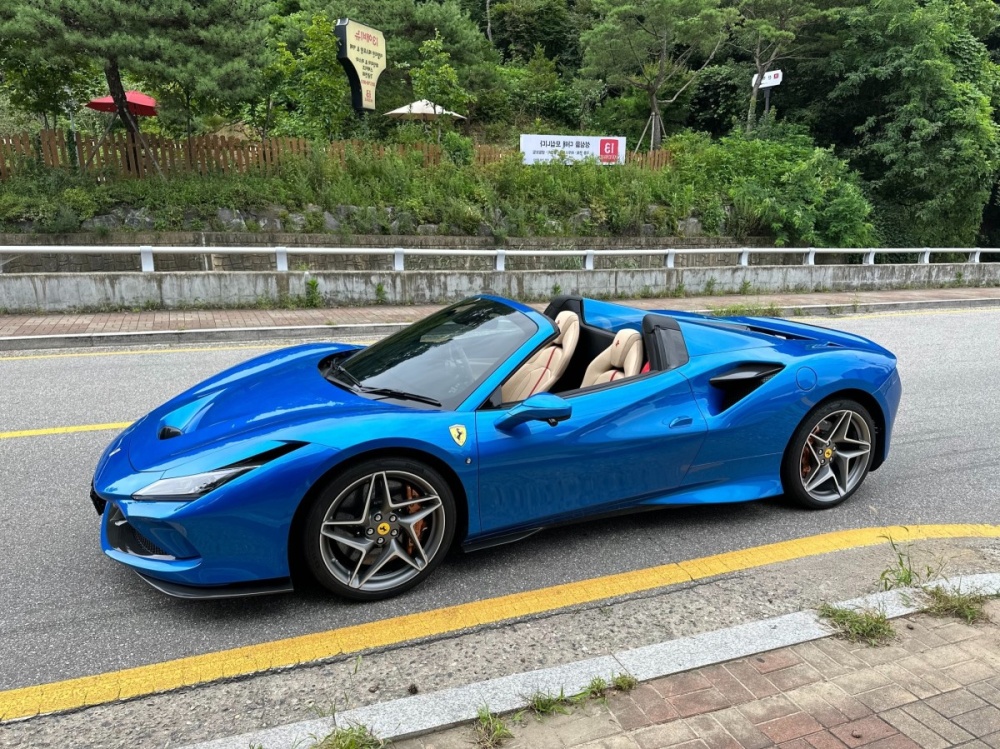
458,434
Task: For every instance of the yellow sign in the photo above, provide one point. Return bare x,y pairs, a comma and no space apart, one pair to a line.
362,53
458,433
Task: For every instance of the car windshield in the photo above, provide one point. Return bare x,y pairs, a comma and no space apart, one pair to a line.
443,358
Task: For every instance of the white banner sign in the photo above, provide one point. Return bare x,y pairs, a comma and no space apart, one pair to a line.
771,78
542,149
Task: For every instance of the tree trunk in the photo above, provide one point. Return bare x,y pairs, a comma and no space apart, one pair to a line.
114,78
489,24
752,113
656,126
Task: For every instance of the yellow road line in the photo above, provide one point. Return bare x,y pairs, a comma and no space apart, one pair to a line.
118,425
898,313
200,669
139,352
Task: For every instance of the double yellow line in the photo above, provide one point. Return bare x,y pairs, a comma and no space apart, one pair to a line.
200,669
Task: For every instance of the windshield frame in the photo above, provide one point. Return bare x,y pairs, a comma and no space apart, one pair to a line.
525,318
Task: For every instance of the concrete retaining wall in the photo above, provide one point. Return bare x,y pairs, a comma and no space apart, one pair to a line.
54,292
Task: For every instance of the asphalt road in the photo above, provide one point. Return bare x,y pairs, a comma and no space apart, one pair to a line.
67,611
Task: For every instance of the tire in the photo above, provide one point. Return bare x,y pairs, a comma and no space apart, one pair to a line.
395,544
829,455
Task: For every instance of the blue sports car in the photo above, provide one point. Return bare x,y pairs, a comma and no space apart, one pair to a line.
482,424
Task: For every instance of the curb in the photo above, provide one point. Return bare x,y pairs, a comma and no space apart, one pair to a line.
195,335
422,714
331,332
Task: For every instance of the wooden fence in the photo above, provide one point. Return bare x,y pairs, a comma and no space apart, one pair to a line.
211,154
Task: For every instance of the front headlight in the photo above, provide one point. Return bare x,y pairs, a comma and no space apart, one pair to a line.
186,488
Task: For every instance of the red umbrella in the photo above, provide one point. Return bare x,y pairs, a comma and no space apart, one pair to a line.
138,104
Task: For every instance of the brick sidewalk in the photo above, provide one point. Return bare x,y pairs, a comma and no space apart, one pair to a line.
117,322
937,685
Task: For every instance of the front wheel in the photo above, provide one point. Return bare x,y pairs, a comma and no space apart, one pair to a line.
829,455
379,528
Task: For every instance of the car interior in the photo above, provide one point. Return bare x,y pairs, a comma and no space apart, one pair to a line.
583,356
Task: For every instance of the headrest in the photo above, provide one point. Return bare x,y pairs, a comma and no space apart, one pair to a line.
564,321
625,342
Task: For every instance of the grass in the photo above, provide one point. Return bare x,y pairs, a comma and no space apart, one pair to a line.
747,310
968,606
624,682
867,626
355,737
903,573
491,730
541,703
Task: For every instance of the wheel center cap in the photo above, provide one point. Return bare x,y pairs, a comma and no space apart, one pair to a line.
828,453
383,529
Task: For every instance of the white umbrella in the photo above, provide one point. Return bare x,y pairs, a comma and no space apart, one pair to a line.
423,110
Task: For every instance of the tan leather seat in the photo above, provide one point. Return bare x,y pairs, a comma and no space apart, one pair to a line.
542,370
623,358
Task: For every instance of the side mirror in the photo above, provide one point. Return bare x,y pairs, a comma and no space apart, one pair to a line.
539,407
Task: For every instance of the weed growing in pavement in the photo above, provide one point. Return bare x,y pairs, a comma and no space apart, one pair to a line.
902,573
624,682
380,296
746,287
968,606
868,626
541,703
355,737
313,297
747,310
491,730
597,688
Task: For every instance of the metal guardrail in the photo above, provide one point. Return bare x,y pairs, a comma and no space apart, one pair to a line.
399,254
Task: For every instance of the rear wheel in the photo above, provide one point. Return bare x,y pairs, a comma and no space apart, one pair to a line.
829,455
379,528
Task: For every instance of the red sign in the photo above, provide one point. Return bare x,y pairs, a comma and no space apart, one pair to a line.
608,149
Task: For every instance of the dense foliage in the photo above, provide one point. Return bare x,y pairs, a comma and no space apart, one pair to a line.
884,129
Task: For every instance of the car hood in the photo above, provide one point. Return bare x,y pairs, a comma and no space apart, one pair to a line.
244,406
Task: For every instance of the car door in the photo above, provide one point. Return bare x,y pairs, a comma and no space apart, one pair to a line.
623,443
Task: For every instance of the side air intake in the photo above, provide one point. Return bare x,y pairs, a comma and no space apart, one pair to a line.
737,383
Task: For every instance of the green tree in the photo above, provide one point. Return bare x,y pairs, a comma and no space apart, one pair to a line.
652,45
767,32
435,78
521,25
207,49
912,96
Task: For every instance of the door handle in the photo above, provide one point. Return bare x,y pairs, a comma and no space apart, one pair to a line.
681,421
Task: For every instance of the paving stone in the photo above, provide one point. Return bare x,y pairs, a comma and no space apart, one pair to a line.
949,655
811,653
630,716
841,700
790,727
980,722
864,731
910,726
957,632
932,675
695,703
587,728
655,707
740,727
457,738
795,744
777,659
986,691
769,708
937,723
877,656
955,703
794,676
668,734
690,681
812,702
971,672
709,730
751,679
894,742
611,742
727,684
886,698
825,740
993,740
908,680
861,681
